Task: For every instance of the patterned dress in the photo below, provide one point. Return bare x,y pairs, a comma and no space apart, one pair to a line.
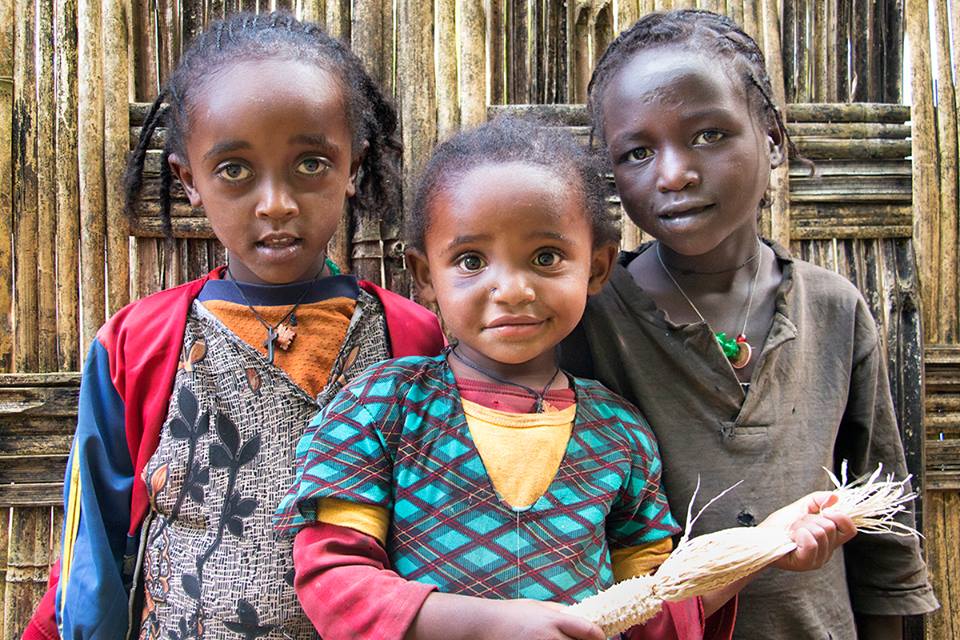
211,564
397,438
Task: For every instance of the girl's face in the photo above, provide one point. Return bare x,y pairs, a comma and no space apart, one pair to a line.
510,262
690,158
269,158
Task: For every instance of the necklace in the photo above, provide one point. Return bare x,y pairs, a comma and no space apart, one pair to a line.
538,407
280,334
738,351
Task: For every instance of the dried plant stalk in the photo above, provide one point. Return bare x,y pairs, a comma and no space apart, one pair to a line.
709,562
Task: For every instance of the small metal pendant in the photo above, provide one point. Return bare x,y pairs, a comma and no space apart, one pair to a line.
744,353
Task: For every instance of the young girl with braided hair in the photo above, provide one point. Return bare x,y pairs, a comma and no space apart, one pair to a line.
193,399
749,364
443,497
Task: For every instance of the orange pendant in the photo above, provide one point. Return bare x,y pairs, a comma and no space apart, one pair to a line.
744,354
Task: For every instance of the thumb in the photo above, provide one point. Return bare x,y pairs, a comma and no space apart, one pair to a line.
821,501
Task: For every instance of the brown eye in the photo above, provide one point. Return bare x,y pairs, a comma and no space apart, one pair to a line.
312,166
234,172
710,136
640,153
547,259
471,262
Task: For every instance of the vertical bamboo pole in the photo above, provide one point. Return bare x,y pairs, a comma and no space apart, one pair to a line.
338,19
68,189
116,140
578,46
926,169
144,50
789,44
735,11
750,19
779,178
646,6
445,41
861,51
6,186
842,51
518,54
496,52
90,157
893,55
25,189
947,152
628,12
473,62
416,85
313,11
804,93
46,192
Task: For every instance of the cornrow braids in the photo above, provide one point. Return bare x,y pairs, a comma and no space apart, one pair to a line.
278,35
510,139
690,26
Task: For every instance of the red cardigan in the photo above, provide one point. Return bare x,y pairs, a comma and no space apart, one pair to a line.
144,340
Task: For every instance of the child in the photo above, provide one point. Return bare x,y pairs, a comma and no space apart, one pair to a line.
794,378
193,399
487,478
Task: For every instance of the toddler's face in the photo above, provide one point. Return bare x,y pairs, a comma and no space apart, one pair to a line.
509,260
269,158
690,158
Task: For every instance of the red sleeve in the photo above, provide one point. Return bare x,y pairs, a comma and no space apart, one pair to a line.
43,622
345,588
684,621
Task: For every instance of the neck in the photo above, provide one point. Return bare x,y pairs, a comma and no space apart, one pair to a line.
470,364
239,272
722,260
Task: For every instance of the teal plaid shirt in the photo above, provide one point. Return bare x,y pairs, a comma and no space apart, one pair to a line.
397,438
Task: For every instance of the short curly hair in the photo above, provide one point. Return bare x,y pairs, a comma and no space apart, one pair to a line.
512,139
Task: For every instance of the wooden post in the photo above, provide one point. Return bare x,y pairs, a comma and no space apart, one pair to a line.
473,59
313,11
926,168
68,189
947,152
448,99
628,12
90,157
7,17
780,177
46,192
116,134
338,19
496,51
25,189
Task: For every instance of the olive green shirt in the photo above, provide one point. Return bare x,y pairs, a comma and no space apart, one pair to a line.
819,395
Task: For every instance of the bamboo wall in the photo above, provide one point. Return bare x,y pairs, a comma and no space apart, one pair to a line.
71,258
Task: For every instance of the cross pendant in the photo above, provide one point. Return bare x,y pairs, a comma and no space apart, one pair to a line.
269,342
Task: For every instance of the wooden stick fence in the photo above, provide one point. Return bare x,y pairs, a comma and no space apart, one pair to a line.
65,128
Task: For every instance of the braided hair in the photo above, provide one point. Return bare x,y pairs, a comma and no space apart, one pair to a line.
278,35
510,139
717,33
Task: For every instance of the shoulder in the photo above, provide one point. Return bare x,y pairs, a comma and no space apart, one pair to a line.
413,329
822,284
394,378
615,411
143,320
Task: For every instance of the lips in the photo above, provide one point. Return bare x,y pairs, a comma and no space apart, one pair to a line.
277,241
513,321
683,209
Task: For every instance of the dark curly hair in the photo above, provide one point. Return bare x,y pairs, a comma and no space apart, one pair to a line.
718,34
511,139
278,35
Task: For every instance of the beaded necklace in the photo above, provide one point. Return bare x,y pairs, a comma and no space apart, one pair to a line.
539,396
737,350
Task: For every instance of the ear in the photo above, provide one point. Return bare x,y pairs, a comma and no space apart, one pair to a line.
601,266
355,169
776,145
182,172
420,269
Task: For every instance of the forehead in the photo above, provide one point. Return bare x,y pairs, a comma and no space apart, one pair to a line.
671,79
502,197
272,92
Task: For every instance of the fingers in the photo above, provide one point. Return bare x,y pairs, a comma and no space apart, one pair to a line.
579,628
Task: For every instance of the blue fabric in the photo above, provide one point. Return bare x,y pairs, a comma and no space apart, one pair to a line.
95,601
273,295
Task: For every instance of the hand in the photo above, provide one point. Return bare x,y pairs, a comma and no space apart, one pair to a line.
533,620
814,527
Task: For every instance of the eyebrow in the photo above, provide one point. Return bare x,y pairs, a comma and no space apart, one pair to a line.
460,240
225,147
315,140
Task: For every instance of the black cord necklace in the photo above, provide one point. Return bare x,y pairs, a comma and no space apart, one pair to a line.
538,407
278,334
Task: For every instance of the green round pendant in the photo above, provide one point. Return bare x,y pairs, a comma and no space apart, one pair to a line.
737,350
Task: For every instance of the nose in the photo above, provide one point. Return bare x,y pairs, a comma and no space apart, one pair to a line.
512,288
677,170
276,200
